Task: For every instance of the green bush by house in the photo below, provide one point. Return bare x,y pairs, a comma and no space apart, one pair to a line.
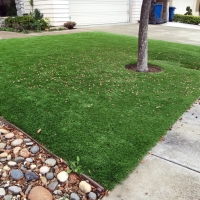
188,19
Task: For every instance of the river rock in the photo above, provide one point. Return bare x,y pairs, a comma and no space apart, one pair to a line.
12,163
50,161
27,140
6,168
29,160
8,197
3,155
24,153
29,143
38,193
52,186
16,150
35,149
44,169
16,142
2,145
85,187
16,174
62,176
9,157
74,196
30,176
32,167
92,196
28,189
19,159
2,192
4,131
44,180
9,135
49,175
14,189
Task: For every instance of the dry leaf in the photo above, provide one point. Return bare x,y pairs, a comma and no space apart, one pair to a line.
39,130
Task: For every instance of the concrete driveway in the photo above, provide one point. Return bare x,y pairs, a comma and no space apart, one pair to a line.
171,31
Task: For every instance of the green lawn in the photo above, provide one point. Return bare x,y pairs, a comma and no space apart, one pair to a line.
76,89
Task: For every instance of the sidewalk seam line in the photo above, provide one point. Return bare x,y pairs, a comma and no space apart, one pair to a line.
175,163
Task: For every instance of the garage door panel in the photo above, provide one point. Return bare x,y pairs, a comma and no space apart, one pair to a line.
98,11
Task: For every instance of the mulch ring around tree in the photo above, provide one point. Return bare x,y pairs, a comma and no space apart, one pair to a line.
152,69
28,171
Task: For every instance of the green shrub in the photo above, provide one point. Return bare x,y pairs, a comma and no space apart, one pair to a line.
25,22
188,19
37,14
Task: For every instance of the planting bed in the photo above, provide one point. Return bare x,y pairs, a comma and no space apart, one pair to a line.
29,171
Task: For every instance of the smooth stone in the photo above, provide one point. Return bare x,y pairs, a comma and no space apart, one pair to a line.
24,153
4,131
14,189
3,159
23,168
44,169
28,189
92,196
6,168
62,176
44,180
9,135
32,167
50,161
85,187
3,155
35,149
16,142
19,159
2,145
49,175
30,176
12,163
7,184
2,192
74,196
52,186
29,144
8,197
57,192
27,140
8,147
40,193
9,157
4,175
29,159
16,174
16,150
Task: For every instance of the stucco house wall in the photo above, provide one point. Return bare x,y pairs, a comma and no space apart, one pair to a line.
182,4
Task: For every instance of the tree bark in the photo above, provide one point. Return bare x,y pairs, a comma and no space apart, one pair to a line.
142,65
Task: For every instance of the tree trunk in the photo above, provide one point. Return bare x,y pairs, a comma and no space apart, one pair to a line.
142,65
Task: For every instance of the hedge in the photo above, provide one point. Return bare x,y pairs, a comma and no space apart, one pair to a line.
187,19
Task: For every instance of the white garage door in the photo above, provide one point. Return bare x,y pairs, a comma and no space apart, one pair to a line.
88,12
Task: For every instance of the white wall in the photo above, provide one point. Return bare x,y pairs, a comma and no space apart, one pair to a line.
136,9
56,10
182,4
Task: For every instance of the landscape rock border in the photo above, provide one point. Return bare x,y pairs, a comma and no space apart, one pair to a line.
23,167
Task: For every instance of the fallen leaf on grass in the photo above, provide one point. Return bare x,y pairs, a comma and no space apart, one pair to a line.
39,130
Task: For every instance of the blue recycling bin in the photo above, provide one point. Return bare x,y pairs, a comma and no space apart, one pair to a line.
157,10
171,13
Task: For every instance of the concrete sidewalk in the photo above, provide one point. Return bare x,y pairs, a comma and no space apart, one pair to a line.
171,171
171,31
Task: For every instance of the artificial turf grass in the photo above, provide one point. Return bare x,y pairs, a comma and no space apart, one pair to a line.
76,89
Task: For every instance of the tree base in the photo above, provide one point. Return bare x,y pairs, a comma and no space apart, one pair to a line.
152,69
